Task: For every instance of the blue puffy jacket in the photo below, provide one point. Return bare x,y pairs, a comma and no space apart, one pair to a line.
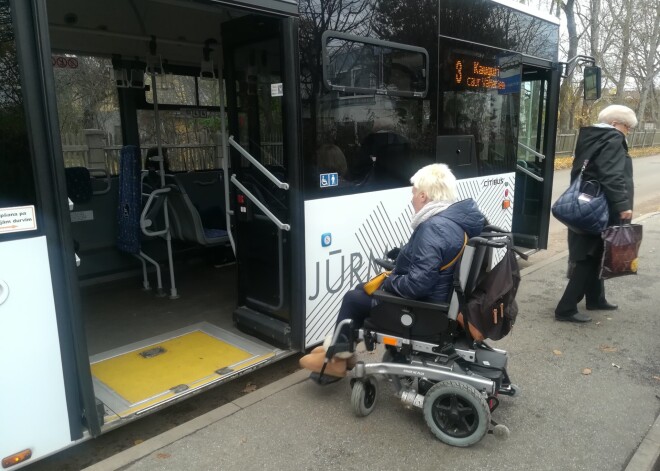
433,244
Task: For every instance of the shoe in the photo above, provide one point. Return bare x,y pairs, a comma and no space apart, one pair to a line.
603,307
577,317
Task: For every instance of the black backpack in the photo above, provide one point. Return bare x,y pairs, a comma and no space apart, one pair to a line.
490,306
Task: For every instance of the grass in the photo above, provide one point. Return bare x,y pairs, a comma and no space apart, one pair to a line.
562,162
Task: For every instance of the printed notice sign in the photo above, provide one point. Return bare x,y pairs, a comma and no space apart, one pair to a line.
276,89
17,219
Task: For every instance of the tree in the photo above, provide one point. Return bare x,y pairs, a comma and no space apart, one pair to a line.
317,16
646,54
624,38
567,90
85,94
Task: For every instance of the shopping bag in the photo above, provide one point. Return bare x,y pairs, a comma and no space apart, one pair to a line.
374,283
583,206
621,250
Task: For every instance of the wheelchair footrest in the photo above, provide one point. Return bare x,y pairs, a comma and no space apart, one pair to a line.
324,380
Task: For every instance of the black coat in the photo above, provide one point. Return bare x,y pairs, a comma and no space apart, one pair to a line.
609,163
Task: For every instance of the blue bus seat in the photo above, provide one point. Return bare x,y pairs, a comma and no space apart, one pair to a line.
196,205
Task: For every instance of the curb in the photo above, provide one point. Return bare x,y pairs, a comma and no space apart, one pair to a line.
647,455
147,447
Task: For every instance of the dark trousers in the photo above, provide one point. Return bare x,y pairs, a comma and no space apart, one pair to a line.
356,305
583,283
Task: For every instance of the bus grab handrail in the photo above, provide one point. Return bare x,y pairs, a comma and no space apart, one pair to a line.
260,205
256,163
529,149
145,223
531,174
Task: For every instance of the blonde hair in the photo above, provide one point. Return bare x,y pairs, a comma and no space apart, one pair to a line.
618,114
437,181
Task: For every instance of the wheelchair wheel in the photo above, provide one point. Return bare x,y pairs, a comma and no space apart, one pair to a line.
456,413
363,396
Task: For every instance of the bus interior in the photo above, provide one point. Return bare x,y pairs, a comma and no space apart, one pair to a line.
139,86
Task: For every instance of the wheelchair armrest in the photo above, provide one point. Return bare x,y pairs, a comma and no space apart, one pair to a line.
494,228
391,298
386,264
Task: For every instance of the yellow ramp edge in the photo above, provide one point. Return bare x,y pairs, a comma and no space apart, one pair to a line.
186,359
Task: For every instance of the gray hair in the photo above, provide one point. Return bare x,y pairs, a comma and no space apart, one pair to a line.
618,114
437,181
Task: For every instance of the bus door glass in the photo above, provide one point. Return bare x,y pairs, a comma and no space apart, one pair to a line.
531,165
258,174
479,125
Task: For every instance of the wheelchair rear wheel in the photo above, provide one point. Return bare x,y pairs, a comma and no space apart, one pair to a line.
456,413
363,396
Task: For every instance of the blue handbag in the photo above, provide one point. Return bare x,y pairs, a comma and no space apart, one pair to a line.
583,206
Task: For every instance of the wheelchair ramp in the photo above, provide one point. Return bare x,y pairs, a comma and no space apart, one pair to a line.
140,376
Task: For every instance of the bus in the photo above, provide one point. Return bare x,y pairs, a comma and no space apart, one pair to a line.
188,188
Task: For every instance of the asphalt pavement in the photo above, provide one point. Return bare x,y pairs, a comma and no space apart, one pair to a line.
590,400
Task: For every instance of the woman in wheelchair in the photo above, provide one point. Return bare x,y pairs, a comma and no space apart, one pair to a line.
424,266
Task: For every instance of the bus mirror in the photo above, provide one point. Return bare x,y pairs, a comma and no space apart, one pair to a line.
591,82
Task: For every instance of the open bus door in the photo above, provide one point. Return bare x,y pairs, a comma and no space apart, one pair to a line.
535,154
145,350
262,169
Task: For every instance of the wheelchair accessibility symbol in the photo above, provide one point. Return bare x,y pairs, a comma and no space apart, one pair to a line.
329,179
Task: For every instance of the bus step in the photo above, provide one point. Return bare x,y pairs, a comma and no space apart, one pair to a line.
263,326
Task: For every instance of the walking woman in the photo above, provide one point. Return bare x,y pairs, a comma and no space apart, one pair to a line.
604,146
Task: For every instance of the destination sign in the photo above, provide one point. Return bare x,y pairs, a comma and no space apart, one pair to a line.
476,73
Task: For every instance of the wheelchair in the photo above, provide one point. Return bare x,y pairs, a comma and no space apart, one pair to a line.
430,360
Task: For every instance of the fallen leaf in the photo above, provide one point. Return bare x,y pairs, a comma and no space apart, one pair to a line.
608,348
163,456
608,318
657,378
250,387
616,366
137,442
586,371
557,352
598,323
